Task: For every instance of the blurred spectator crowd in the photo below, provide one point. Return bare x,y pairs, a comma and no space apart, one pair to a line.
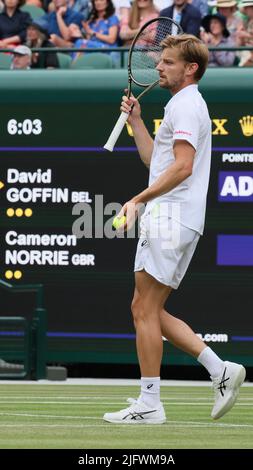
86,24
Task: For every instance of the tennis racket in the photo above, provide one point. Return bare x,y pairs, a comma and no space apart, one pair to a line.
144,55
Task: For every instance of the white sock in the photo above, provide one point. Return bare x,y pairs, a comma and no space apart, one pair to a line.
150,391
211,362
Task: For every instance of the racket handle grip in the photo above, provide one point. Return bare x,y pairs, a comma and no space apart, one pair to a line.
116,131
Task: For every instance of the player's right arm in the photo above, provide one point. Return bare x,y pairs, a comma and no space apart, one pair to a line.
143,140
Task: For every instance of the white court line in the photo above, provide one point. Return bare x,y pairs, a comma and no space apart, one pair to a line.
95,382
115,382
113,403
196,424
71,403
109,397
47,416
31,415
99,397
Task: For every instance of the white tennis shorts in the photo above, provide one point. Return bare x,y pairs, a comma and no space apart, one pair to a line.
165,249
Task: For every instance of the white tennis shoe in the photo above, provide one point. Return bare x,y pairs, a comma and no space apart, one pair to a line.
226,388
137,413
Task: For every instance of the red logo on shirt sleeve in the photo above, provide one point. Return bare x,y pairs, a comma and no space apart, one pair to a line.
183,132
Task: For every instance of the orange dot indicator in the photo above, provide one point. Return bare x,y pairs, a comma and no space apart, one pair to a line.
8,274
17,274
10,212
28,212
1,184
19,212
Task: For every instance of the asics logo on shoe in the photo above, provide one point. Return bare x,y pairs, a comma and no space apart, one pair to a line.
144,242
222,385
137,416
150,386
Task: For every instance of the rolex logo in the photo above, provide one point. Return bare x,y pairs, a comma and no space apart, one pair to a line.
247,125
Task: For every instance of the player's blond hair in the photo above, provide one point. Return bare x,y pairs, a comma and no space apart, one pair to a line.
191,50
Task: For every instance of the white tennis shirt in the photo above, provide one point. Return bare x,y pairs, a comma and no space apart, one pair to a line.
186,118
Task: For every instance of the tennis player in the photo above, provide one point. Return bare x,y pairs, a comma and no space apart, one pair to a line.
179,162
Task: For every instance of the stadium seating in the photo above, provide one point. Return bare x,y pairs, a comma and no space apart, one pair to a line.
64,60
34,11
5,61
96,60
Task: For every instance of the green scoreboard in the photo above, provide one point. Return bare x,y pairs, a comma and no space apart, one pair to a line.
59,191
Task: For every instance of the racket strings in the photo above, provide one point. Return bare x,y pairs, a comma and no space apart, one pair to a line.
147,50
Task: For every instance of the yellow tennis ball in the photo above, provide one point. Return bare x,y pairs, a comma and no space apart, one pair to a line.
118,222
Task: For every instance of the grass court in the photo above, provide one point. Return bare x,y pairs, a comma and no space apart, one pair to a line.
65,416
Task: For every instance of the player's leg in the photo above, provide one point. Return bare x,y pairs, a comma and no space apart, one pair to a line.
146,308
180,334
227,376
